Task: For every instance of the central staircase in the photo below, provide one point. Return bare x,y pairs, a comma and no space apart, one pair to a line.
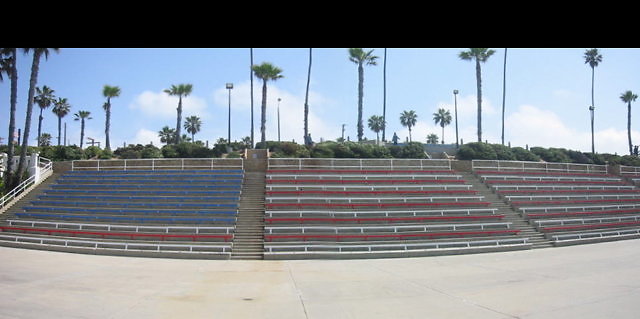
536,238
248,241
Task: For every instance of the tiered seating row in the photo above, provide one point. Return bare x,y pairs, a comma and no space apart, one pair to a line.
84,208
566,203
327,209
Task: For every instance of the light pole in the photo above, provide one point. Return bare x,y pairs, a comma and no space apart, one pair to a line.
279,99
229,87
343,131
593,149
455,99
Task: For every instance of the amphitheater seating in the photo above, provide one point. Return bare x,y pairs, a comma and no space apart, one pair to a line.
376,208
136,211
569,203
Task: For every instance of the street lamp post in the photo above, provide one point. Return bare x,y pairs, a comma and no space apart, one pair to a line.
229,87
279,99
455,98
593,149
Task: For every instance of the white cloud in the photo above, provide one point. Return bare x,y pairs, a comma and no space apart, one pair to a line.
468,106
144,137
162,105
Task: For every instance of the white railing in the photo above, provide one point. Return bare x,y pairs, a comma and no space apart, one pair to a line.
379,200
392,248
157,164
364,176
299,187
634,171
538,166
126,246
135,228
392,229
566,209
584,221
45,169
364,163
627,233
390,213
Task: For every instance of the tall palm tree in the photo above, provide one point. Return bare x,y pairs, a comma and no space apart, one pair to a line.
628,97
10,68
361,58
479,55
251,79
108,92
408,119
33,81
82,116
61,109
504,90
384,93
442,117
265,72
593,58
306,100
167,135
192,124
180,90
44,99
376,124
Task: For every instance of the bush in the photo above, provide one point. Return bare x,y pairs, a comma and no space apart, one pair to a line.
413,150
234,155
92,152
476,150
150,151
503,152
106,154
323,150
522,154
551,154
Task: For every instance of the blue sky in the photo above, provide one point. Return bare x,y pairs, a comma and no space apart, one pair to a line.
548,93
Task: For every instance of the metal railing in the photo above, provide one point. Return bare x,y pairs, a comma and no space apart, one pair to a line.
585,221
392,229
157,164
133,228
392,248
45,167
389,213
630,170
122,246
597,235
346,163
538,166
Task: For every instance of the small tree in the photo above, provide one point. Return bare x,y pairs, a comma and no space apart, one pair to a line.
432,139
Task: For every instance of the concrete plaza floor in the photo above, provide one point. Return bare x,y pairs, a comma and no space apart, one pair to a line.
588,281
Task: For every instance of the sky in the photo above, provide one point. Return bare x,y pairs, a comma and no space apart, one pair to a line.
548,92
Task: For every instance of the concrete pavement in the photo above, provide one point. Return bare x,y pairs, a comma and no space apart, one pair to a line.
587,281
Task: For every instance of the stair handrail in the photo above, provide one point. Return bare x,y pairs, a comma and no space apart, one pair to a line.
46,168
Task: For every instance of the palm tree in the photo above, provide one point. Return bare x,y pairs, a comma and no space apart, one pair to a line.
376,124
192,125
443,117
265,71
479,55
504,90
9,67
251,79
628,97
593,58
432,139
408,119
108,92
384,93
44,99
45,139
35,67
180,90
61,109
167,135
361,58
306,100
82,116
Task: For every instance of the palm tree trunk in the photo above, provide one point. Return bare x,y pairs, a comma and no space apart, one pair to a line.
442,134
81,132
479,90
306,100
12,119
360,96
504,90
593,147
40,118
263,118
251,78
410,134
59,129
193,139
179,120
629,127
27,123
384,95
107,125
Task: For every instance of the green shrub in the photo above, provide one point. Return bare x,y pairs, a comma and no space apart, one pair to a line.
551,155
413,150
150,151
234,155
522,154
323,150
106,154
503,152
92,151
341,150
395,151
476,150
